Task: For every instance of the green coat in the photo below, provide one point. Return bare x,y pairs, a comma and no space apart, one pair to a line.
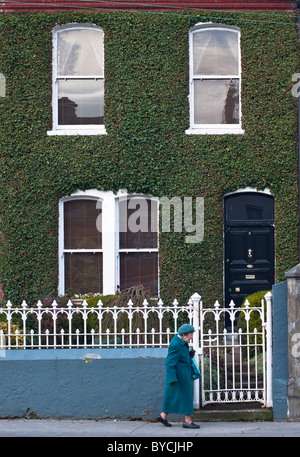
179,397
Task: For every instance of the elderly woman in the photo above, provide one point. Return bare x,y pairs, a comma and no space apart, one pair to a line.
178,395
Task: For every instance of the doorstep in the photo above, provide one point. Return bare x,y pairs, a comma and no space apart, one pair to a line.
237,412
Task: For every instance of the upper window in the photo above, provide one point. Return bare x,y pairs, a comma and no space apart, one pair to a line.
78,80
215,80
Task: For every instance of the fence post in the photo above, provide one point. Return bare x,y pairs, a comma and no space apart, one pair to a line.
269,400
196,384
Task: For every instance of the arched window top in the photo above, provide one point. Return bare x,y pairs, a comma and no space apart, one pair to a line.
215,50
78,25
213,25
79,50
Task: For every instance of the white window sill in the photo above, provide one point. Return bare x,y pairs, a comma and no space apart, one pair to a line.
215,131
77,132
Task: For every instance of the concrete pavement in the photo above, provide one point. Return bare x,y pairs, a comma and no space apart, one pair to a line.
136,429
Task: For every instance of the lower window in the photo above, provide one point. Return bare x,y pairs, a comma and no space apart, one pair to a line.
107,243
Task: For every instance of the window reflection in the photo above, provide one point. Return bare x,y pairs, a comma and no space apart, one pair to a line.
216,101
80,52
215,52
80,102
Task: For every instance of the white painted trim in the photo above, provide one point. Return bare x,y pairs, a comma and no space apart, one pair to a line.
76,132
139,250
249,189
215,131
108,242
61,257
71,251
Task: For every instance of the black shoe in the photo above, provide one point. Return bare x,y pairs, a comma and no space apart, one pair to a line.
163,421
191,425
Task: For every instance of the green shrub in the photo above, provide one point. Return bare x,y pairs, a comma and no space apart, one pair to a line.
107,300
137,294
13,339
254,321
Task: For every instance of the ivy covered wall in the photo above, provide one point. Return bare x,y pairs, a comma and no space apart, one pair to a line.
146,149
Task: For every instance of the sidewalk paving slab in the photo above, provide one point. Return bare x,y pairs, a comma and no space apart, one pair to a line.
137,429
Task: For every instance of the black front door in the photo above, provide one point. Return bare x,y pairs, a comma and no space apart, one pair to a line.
249,245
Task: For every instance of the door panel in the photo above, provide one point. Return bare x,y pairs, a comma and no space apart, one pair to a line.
249,246
249,261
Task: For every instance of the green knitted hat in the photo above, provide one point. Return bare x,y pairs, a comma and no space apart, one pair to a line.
185,328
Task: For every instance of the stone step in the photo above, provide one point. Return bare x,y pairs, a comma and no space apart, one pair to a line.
233,415
235,411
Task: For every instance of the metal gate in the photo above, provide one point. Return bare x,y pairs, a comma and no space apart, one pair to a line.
235,363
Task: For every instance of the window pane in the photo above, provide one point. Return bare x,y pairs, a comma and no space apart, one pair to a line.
83,273
215,52
80,52
138,216
139,268
81,224
216,101
80,102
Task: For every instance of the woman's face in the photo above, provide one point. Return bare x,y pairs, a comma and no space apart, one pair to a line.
187,337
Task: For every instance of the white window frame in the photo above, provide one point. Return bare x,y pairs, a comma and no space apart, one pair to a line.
57,129
213,129
110,237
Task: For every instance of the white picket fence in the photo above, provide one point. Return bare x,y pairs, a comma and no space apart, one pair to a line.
235,365
83,326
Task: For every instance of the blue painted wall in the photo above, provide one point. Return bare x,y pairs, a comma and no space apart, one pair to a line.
90,384
111,383
280,351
